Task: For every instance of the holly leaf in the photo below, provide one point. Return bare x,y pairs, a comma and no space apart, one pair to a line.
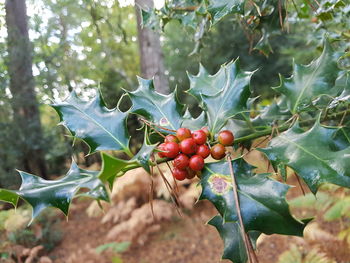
310,81
9,197
204,83
230,100
194,123
230,233
262,200
312,155
40,193
144,154
111,167
163,110
220,8
101,128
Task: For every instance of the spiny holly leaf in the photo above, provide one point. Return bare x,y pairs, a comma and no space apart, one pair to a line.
220,8
311,81
99,127
311,155
111,166
262,200
194,123
230,100
263,44
163,110
230,233
40,193
143,156
204,83
344,97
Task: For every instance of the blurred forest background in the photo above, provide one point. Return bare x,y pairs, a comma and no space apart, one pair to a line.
95,44
50,47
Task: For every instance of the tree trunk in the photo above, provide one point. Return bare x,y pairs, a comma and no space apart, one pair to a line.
24,102
150,51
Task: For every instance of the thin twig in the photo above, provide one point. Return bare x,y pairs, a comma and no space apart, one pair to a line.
280,13
301,186
312,7
238,209
155,125
175,183
343,117
170,190
152,189
149,125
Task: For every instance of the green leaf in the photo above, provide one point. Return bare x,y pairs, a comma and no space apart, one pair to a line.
99,127
262,200
143,156
311,81
263,44
40,193
9,197
220,8
111,166
114,246
163,110
204,83
194,123
230,100
339,209
311,155
230,233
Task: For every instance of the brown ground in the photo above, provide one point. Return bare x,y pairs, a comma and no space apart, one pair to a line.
189,240
184,240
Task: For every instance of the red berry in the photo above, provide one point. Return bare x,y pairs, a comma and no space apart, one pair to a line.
188,146
183,133
171,149
179,174
203,150
218,151
190,173
196,163
161,149
181,161
206,130
226,138
171,138
199,137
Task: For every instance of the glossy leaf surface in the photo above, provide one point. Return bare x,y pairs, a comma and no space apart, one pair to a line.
262,200
311,81
163,110
230,233
41,194
231,99
311,155
100,127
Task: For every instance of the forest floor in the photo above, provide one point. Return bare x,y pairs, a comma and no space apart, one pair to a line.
188,239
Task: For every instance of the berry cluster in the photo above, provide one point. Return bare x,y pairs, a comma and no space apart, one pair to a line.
189,149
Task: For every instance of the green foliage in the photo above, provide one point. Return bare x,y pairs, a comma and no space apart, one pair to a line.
230,233
262,200
98,126
311,81
40,193
163,110
114,246
311,156
45,231
317,149
230,101
294,255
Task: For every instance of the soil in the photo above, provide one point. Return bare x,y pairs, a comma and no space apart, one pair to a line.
183,240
